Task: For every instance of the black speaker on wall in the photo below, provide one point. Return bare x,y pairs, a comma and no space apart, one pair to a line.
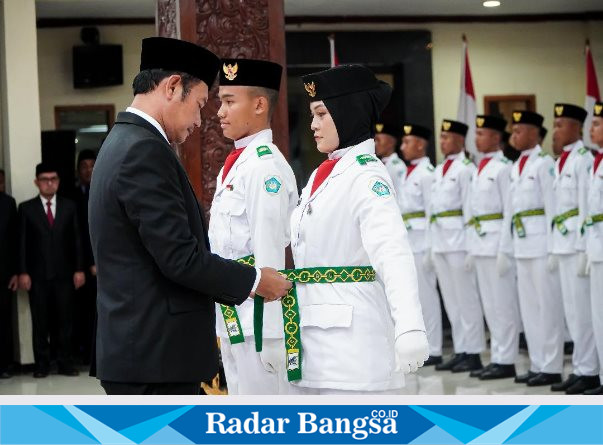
97,66
58,149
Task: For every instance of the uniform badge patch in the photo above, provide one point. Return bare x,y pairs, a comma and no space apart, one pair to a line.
263,150
363,159
272,184
380,188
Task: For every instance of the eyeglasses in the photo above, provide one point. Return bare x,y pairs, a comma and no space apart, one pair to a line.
49,180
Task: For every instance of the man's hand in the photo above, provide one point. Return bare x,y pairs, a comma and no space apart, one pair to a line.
273,285
79,279
13,283
25,282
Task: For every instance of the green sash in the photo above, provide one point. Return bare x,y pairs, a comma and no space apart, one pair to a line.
560,219
517,223
446,214
591,221
476,220
230,315
412,215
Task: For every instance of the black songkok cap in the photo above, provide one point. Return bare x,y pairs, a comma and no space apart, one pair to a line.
491,122
86,154
416,130
339,81
543,132
178,55
251,73
571,111
527,117
598,109
45,167
390,129
454,127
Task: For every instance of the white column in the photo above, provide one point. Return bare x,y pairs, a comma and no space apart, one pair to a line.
21,140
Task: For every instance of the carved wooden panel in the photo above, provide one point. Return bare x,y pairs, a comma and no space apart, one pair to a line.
167,21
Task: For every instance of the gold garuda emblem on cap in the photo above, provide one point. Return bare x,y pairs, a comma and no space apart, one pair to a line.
230,71
479,121
407,129
517,116
310,88
446,125
379,128
598,109
559,110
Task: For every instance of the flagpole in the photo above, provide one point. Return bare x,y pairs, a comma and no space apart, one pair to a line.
592,92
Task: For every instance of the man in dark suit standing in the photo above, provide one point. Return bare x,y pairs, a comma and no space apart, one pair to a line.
51,268
8,276
85,297
157,280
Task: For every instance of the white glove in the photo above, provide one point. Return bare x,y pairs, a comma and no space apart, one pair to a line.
552,263
272,353
503,264
469,263
411,350
428,260
583,264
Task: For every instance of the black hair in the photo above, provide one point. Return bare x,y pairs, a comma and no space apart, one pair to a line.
147,80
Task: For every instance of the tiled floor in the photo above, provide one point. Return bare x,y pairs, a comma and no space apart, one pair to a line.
425,381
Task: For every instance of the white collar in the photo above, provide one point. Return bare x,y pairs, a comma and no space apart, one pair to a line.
242,143
340,153
392,156
53,200
454,156
599,150
149,119
418,160
574,145
529,151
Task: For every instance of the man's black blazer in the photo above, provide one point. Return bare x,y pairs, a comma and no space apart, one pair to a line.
8,238
157,280
46,252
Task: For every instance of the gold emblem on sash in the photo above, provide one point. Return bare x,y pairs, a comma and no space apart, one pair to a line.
230,71
310,89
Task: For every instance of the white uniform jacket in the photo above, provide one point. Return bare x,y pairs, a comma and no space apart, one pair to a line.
594,233
531,190
250,214
414,196
488,195
348,329
396,169
571,188
450,192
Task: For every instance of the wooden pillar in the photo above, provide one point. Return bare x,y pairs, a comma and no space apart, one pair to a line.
230,28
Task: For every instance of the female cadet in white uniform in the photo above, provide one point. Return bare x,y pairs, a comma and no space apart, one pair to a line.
363,335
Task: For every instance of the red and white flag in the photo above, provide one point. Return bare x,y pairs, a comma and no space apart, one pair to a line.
467,111
334,58
592,95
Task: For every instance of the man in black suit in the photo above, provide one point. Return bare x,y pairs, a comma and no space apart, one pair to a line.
8,276
51,268
157,280
85,297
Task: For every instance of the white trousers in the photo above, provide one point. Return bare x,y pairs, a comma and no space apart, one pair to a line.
542,314
596,302
576,303
461,301
501,309
245,373
430,305
302,391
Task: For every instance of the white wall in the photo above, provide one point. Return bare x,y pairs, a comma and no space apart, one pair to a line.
55,68
545,59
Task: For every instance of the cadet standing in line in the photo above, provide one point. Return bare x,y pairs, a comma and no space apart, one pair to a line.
255,195
593,230
413,199
531,206
458,283
572,175
496,275
386,141
358,334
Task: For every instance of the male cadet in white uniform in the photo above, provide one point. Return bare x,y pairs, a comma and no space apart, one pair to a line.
531,206
496,275
386,141
593,230
572,175
255,195
413,199
458,283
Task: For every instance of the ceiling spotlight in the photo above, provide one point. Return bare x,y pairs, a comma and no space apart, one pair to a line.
491,3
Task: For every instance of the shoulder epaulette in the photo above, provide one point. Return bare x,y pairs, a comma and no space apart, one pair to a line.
263,150
583,150
396,161
363,159
466,161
